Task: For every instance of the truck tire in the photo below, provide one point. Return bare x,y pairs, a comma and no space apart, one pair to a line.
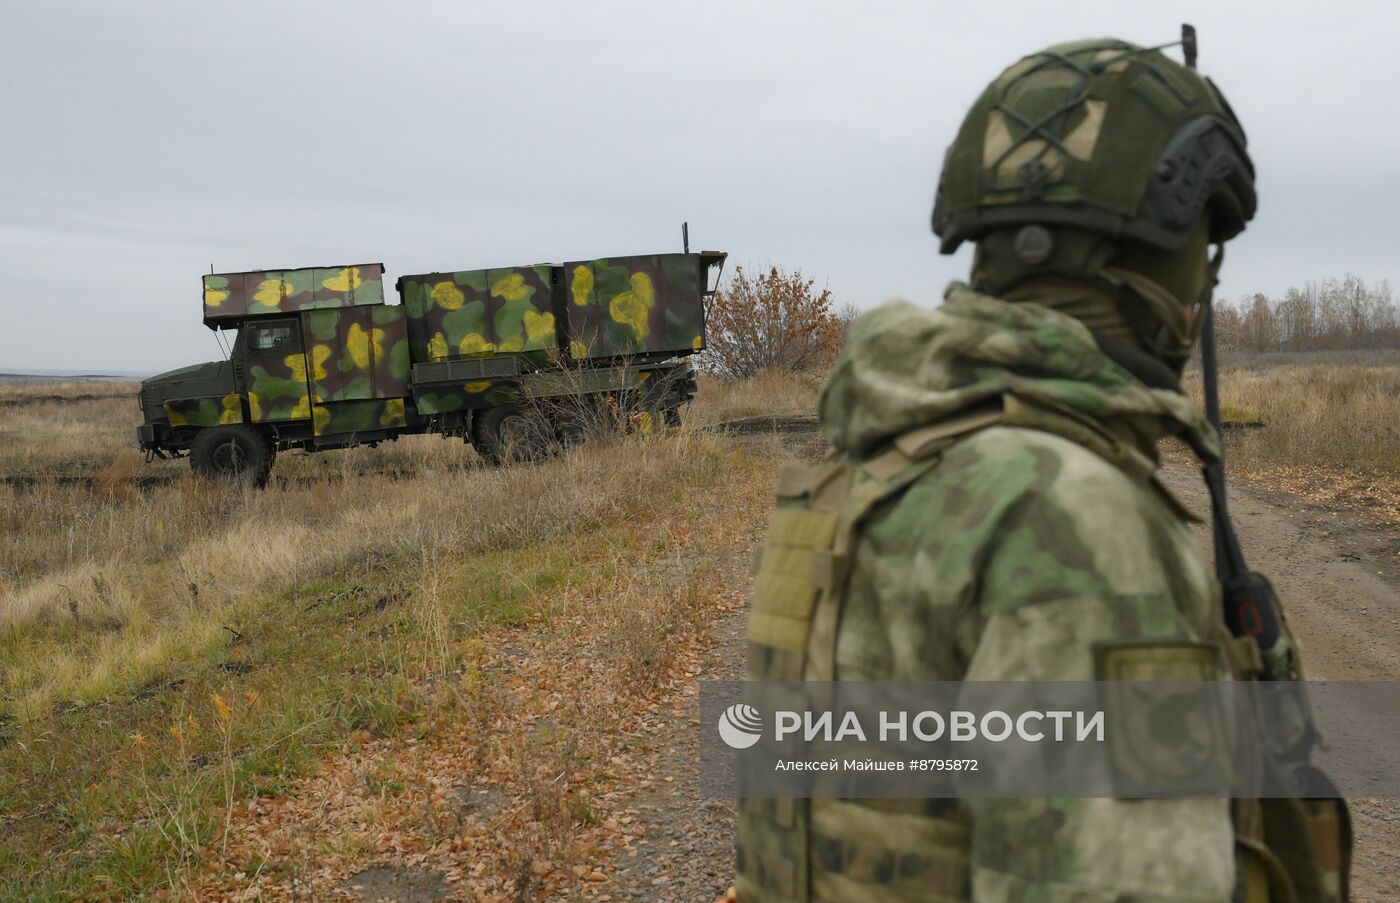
236,453
508,433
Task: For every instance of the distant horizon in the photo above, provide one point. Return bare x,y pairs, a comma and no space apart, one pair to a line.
22,373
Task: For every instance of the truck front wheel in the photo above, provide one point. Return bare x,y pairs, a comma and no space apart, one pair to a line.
235,453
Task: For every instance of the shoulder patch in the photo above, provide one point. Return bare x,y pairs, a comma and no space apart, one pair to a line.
1166,660
1165,706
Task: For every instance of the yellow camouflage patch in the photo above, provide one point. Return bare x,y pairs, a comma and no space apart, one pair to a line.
538,327
271,292
475,343
511,287
393,413
583,286
347,280
633,306
302,409
360,344
447,296
233,409
321,418
296,363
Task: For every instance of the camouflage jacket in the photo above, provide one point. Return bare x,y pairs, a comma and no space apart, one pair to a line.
1011,558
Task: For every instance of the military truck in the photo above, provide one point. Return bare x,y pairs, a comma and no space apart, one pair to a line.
511,360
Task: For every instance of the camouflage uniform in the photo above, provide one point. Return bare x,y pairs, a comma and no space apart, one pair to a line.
990,509
1008,557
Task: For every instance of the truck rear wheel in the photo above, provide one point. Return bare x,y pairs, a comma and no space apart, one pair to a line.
236,453
509,433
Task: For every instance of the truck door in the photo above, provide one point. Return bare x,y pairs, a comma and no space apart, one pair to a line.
274,371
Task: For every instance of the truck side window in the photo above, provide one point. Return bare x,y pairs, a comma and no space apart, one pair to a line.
273,337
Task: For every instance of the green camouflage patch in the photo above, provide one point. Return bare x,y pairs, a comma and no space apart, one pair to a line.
486,393
204,411
372,415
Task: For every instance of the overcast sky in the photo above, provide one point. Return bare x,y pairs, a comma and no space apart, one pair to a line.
144,142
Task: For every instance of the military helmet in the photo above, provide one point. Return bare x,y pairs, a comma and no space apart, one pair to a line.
1100,135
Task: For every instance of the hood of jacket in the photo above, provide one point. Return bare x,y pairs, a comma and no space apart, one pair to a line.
904,367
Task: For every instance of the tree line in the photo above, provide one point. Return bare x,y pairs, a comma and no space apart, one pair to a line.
779,319
1330,315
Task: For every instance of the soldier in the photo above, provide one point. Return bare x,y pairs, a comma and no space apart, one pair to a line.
991,509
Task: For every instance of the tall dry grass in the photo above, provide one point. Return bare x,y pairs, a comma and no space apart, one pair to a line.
775,392
108,583
1316,410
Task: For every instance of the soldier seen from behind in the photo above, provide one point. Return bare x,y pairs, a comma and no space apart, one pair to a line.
991,508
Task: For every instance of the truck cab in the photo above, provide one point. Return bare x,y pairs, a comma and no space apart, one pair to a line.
318,361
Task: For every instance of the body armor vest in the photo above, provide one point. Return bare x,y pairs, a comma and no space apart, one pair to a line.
918,850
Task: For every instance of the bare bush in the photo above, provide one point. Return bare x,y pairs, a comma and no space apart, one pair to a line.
773,321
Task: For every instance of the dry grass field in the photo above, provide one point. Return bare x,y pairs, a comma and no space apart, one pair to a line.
1325,425
169,646
173,652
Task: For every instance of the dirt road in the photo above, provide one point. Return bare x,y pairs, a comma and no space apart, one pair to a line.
1339,577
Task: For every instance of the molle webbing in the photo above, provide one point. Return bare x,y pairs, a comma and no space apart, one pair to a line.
800,573
880,851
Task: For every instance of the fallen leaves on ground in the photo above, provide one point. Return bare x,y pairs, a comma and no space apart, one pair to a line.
518,788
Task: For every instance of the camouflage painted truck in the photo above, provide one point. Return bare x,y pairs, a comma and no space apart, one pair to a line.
511,360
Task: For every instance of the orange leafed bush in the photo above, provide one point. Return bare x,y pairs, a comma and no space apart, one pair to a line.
771,321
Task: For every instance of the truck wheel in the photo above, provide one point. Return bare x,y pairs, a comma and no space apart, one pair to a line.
571,429
236,453
509,434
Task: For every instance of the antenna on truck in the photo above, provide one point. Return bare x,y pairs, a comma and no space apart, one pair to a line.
685,236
